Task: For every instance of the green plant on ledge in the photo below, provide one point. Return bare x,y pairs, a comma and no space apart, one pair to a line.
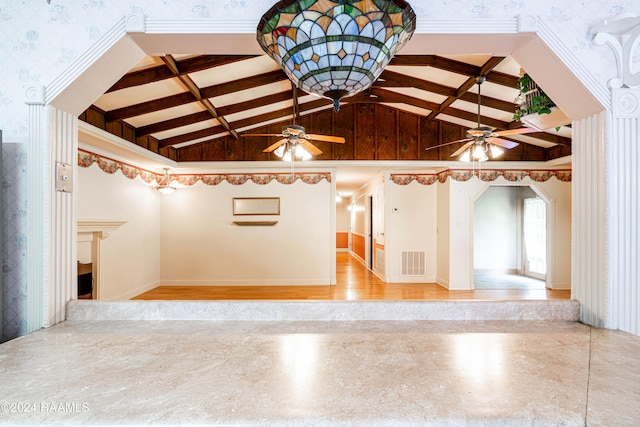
531,99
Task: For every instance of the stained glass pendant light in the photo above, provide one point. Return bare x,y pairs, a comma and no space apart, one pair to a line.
335,48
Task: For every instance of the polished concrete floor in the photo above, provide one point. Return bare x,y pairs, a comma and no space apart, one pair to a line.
324,373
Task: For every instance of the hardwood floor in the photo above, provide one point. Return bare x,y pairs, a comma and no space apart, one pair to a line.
354,282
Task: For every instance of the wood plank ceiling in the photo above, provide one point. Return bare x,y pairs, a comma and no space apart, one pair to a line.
197,108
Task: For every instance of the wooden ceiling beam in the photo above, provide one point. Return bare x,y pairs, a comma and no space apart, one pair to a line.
204,62
502,79
454,66
195,90
396,79
436,61
188,97
173,123
258,120
161,72
251,121
550,137
191,136
487,101
150,106
464,88
394,97
243,84
286,95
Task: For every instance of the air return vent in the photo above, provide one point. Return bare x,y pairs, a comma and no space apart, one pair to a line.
413,263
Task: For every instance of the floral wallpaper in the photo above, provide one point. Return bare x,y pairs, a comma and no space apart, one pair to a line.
110,166
39,39
14,216
486,175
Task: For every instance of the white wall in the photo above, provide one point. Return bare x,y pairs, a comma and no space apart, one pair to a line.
360,220
495,230
411,226
443,208
130,255
202,246
559,247
343,216
463,195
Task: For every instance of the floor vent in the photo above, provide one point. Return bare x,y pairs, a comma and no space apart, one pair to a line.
413,263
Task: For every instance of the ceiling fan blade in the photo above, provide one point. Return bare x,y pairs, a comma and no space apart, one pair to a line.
274,146
261,134
518,131
327,138
448,143
311,148
463,148
503,143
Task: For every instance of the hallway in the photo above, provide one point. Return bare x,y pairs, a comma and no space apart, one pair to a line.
354,282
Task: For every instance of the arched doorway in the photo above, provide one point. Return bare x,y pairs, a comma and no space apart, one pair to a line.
122,47
510,228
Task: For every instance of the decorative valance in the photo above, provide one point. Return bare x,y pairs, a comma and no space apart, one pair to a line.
110,166
487,175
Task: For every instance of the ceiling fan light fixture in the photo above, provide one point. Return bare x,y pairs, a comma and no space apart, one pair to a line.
479,153
164,184
302,153
466,156
496,151
280,151
335,48
287,156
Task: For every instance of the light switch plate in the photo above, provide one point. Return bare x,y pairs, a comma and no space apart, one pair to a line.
64,182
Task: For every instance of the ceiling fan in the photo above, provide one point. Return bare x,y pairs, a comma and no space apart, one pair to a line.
296,142
486,140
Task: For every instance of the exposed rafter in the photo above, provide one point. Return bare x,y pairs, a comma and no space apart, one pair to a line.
158,106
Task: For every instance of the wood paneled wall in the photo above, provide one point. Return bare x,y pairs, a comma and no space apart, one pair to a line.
96,117
372,132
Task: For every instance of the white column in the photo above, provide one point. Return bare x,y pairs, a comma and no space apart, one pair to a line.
623,161
620,307
38,213
61,285
51,226
589,281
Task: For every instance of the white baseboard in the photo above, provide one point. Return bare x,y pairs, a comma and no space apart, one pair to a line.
286,282
133,292
496,271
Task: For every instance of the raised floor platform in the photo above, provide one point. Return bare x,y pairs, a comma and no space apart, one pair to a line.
85,310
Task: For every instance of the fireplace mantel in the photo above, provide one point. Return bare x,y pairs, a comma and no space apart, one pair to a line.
99,228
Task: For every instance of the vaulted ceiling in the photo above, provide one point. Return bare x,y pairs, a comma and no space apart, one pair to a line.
197,108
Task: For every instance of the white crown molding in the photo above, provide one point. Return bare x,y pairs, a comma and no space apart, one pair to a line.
571,61
86,60
626,103
199,26
135,23
475,26
35,95
99,228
